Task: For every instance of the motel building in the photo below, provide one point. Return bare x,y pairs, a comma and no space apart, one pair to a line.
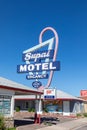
13,95
8,90
64,103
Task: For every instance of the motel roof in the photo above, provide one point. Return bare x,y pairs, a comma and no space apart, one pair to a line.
65,96
61,95
18,88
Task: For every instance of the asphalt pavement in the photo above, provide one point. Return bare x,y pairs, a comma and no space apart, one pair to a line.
69,125
84,127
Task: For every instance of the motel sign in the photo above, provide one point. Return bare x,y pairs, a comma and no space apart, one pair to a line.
40,64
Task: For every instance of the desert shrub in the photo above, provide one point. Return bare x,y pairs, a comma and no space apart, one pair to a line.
45,110
17,109
85,114
2,123
31,110
79,115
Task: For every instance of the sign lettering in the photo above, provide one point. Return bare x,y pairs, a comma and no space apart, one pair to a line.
37,67
37,76
38,55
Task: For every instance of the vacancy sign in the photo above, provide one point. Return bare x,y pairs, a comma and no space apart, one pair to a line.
49,93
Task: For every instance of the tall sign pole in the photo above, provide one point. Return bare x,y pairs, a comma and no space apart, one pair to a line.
40,64
55,52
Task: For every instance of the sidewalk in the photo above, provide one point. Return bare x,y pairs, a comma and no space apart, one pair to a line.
69,125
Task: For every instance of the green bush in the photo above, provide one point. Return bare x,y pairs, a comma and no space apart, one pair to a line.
45,110
79,115
31,110
2,123
17,109
85,114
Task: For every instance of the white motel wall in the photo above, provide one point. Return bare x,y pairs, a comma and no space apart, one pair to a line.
8,89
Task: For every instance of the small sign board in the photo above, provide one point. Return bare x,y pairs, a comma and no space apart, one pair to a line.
83,93
36,84
49,93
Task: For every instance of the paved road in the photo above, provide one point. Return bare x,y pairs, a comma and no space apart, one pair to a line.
82,128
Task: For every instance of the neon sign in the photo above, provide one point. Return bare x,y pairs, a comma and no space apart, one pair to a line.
41,64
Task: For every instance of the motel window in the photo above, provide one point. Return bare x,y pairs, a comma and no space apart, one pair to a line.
53,106
5,104
27,105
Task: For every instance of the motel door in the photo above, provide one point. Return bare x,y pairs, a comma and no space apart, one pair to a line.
66,108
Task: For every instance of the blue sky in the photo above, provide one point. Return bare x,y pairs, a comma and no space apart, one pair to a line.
21,22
